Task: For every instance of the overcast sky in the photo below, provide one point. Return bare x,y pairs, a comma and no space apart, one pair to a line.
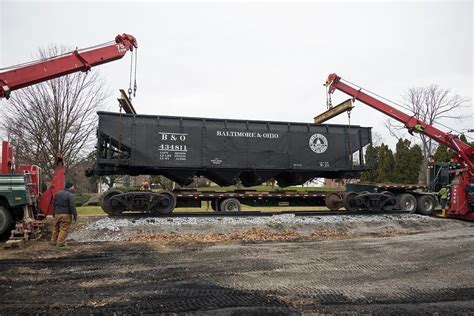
261,61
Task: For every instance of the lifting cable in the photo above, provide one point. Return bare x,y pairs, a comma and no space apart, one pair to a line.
349,135
119,148
130,81
133,74
433,181
135,83
328,98
402,106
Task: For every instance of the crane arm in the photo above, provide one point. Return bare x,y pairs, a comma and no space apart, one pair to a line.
78,60
464,151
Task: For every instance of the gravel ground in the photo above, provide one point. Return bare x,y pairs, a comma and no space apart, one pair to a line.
422,267
120,229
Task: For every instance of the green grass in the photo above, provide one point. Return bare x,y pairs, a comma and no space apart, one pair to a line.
97,210
90,211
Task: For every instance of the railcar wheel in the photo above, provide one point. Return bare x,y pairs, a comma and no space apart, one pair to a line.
389,201
112,206
333,201
365,200
407,203
215,205
348,201
6,221
230,205
426,204
165,204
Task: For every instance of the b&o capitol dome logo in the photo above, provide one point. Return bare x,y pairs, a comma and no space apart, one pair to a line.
318,143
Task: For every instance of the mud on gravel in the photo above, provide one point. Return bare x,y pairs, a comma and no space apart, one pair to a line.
388,265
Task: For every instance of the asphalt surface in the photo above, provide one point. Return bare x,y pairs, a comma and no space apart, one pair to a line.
421,273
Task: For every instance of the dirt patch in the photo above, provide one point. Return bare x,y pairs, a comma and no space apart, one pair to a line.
257,235
254,234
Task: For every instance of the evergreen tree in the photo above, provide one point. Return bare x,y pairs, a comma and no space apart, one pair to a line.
386,164
372,160
416,159
401,170
402,167
442,154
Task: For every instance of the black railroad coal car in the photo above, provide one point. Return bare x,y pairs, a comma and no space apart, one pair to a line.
228,151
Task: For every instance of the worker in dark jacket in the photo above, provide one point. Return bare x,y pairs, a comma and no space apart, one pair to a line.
64,214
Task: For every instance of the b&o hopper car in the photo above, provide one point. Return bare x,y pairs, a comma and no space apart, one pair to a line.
228,152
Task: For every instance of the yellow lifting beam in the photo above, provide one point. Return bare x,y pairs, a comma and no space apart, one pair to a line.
126,103
334,111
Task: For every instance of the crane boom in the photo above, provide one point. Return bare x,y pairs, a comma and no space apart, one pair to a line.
464,151
461,203
79,60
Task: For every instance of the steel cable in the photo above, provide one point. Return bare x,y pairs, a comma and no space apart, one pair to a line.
402,106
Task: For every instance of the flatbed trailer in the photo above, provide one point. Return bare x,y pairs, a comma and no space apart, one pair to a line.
375,197
142,201
187,198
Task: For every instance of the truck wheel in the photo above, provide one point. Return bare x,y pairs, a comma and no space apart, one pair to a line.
230,205
426,204
6,221
348,201
113,207
407,203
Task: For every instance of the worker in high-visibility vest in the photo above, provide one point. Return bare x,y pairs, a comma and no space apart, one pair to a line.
443,199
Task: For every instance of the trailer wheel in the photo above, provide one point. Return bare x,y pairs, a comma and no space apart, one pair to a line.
112,207
230,205
6,221
426,204
407,203
333,201
348,201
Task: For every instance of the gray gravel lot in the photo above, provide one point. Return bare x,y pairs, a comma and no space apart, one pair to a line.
423,266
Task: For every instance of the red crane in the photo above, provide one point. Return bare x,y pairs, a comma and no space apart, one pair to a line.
21,76
29,199
462,185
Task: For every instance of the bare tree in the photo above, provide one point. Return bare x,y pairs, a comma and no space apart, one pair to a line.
430,104
56,116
